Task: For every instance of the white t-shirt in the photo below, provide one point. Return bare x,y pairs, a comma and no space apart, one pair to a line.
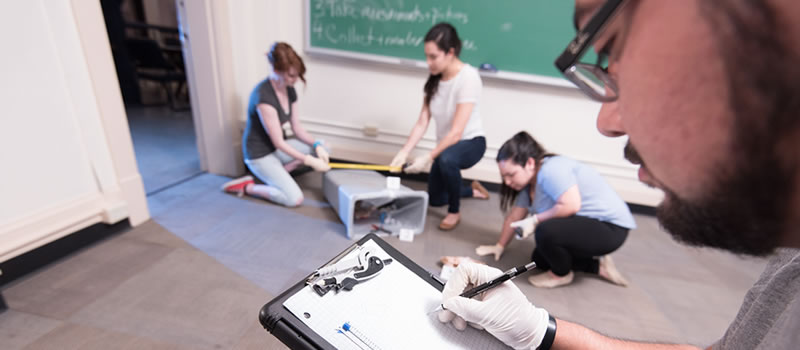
465,87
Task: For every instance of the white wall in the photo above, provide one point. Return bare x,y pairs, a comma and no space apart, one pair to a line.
344,95
65,150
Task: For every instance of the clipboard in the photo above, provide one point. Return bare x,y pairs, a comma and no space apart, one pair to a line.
281,322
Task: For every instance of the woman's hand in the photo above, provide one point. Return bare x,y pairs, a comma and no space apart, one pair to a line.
495,249
316,163
398,161
322,154
525,226
420,164
503,311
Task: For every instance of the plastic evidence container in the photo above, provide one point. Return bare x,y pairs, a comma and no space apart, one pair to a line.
362,200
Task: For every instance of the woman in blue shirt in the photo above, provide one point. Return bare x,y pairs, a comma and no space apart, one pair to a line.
576,216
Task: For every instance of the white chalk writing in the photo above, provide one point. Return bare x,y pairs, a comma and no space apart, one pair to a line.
366,17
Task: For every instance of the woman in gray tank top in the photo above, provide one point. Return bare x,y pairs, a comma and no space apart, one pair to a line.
267,152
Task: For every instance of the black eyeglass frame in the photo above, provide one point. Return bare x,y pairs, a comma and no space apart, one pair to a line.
568,64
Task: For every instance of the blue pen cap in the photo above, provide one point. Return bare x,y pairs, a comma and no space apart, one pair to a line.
346,326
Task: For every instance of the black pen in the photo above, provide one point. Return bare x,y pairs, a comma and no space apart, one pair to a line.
508,275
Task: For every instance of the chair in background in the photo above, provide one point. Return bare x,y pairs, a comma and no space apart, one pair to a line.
152,64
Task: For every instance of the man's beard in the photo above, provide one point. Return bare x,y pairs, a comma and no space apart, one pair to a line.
746,207
737,213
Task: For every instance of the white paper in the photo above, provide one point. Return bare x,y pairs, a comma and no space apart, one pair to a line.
406,235
391,310
393,182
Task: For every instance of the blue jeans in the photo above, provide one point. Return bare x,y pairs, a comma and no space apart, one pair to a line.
444,183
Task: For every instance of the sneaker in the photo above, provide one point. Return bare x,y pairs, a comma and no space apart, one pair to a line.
549,280
608,271
238,186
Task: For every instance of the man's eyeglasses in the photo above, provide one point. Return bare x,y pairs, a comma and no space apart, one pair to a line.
591,78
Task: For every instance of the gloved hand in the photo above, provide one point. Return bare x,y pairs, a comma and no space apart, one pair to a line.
420,164
503,311
316,163
495,249
322,154
398,161
527,225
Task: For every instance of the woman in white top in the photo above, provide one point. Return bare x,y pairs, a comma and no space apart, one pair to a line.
452,95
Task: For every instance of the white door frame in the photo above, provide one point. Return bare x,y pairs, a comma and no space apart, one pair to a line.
205,32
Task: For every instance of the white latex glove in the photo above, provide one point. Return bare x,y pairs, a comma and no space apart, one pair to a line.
398,161
527,225
420,164
503,311
323,154
495,249
316,163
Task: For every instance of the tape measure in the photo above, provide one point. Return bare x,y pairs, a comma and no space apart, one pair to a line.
364,167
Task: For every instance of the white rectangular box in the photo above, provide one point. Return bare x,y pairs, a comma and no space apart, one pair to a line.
362,200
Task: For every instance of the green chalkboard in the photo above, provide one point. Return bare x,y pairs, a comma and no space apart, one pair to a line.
516,36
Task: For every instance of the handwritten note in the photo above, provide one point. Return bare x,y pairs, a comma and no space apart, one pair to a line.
367,23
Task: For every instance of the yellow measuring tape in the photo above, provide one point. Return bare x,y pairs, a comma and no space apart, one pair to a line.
363,166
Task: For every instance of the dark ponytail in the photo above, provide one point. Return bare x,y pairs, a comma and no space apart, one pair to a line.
446,38
519,149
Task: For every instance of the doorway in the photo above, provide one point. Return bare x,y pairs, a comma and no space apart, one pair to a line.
147,49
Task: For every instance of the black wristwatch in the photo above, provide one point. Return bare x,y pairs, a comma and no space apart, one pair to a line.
549,335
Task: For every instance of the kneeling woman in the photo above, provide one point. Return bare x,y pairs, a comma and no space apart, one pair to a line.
575,216
267,152
452,95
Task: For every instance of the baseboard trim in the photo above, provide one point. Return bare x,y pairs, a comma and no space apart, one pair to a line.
57,250
3,305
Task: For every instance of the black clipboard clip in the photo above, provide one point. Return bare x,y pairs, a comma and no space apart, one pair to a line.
349,280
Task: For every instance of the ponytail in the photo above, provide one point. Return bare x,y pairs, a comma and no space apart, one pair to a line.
446,38
431,86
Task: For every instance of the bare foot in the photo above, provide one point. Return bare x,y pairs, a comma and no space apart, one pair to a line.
478,191
609,271
478,194
450,221
550,280
451,218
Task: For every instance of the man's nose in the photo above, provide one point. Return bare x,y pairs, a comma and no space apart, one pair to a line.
609,120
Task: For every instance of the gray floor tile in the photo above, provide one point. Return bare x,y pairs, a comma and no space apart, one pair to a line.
79,337
186,298
18,329
256,338
61,289
152,232
165,145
